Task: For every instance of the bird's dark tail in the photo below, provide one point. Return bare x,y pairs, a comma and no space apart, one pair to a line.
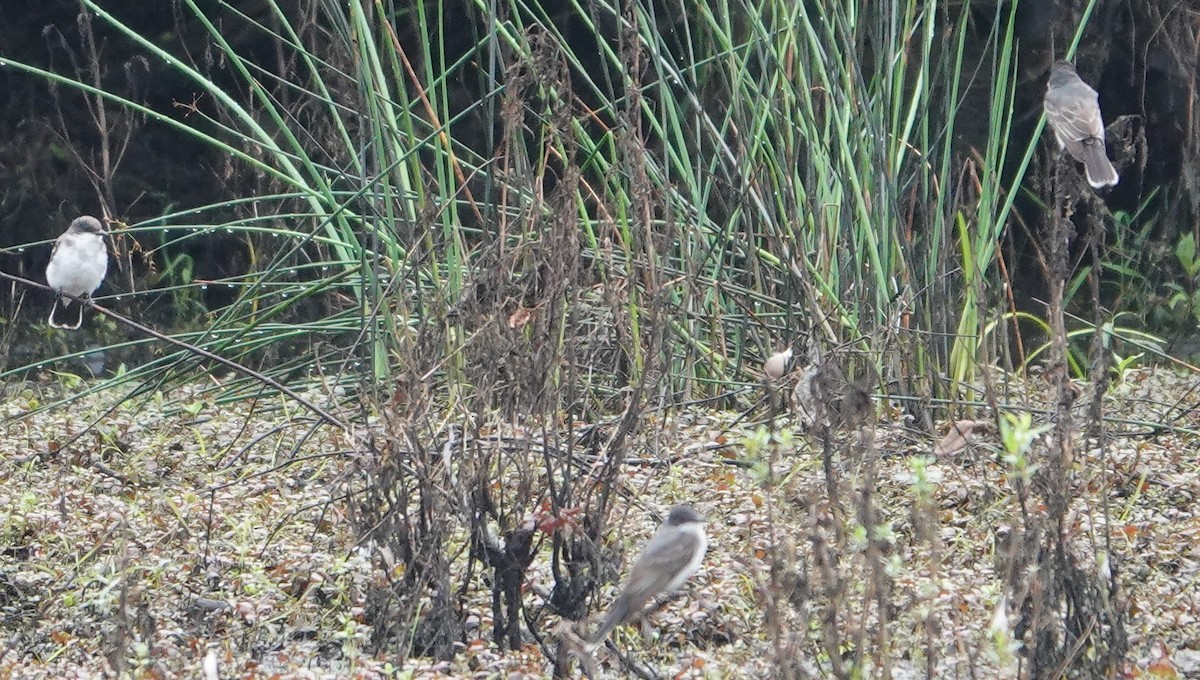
66,302
1100,171
616,614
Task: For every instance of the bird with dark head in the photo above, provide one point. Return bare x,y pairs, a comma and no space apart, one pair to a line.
672,555
77,266
1073,111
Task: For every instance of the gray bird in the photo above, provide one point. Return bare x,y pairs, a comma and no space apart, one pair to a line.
77,266
1073,111
672,555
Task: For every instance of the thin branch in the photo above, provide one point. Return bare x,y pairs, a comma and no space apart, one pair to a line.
228,363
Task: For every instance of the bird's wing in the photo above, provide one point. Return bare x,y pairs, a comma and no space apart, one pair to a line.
662,559
660,562
1075,113
57,242
52,267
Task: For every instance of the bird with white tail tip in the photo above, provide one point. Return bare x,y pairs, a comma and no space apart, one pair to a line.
77,267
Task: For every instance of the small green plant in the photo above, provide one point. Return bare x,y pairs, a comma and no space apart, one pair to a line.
1130,257
856,537
1017,434
177,277
1117,329
762,448
923,477
1183,300
70,381
1004,645
1185,250
1122,366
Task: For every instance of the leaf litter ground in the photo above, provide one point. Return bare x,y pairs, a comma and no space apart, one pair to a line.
152,543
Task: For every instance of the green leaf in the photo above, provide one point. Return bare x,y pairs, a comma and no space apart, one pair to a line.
1185,250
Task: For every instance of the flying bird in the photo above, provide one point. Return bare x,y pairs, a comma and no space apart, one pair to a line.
77,266
1073,111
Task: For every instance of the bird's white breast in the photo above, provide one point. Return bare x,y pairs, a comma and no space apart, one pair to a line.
78,265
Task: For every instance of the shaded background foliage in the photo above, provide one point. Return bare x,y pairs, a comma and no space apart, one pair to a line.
1138,55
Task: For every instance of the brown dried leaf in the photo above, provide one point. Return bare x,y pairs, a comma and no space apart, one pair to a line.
520,317
958,437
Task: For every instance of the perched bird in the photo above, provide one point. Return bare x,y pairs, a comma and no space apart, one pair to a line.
671,556
776,365
1073,111
77,266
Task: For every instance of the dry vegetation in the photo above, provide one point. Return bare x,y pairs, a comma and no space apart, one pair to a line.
532,253
155,540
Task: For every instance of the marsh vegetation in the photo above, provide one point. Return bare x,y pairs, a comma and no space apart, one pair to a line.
418,313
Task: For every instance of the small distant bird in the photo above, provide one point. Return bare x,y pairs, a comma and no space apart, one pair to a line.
77,266
776,365
671,556
1073,111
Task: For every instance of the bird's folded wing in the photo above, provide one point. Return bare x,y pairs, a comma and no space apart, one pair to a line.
662,559
1074,118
